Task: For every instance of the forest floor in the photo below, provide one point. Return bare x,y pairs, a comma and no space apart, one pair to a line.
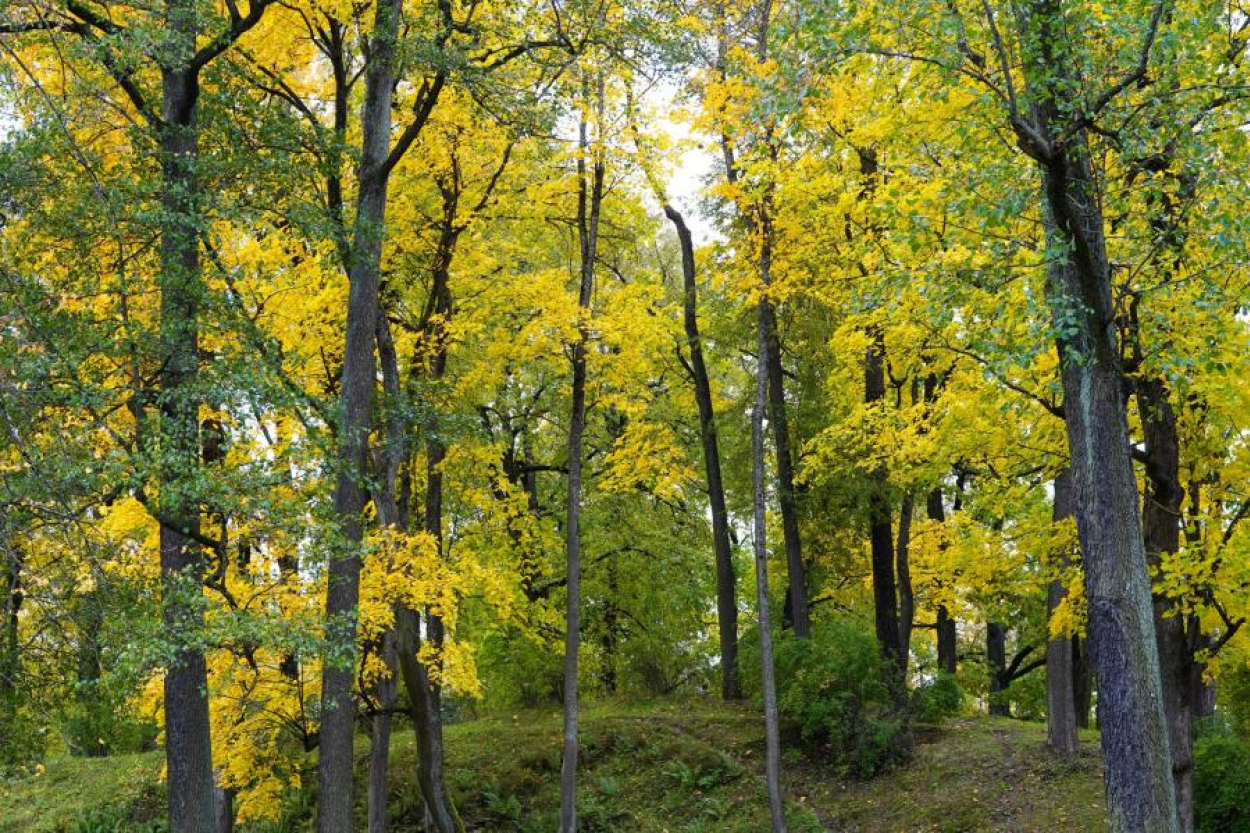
690,766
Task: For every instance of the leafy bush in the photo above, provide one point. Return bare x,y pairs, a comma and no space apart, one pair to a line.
1221,779
831,689
22,739
940,698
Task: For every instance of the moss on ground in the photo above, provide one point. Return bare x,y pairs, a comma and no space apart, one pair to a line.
675,766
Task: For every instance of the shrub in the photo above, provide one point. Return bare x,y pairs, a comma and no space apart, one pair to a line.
831,689
940,698
1221,779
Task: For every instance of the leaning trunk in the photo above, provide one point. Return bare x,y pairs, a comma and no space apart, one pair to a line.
1140,793
726,602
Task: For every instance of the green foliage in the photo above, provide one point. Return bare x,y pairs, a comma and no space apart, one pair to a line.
831,689
97,726
1221,779
22,739
940,698
1234,695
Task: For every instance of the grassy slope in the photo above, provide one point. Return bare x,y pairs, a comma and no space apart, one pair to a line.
674,766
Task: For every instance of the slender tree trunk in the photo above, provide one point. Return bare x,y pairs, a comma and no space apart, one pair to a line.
188,741
906,598
726,601
1082,683
589,200
996,661
772,732
881,536
335,777
10,645
1060,704
796,571
1140,792
947,636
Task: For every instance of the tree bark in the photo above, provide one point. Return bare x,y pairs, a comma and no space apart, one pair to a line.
881,536
1140,793
947,636
1082,683
996,662
726,601
1060,703
772,732
906,597
188,740
1161,516
796,572
589,201
335,776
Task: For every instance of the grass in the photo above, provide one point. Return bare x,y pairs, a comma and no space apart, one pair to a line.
666,767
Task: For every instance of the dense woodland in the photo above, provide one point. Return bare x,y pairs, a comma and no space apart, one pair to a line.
368,366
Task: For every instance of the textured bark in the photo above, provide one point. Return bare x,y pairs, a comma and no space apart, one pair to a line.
1161,528
1060,703
881,536
335,777
378,818
188,741
726,601
1140,794
996,662
589,200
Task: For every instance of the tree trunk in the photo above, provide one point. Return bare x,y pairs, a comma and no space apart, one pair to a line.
772,732
589,200
1060,704
188,741
947,636
335,777
881,536
1082,683
726,601
996,662
1161,514
1140,793
380,738
906,598
796,572
10,645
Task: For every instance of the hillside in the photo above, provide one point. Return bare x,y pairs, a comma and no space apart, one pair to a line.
679,766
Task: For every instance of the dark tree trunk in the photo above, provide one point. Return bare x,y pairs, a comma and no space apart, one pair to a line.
380,739
335,777
996,662
726,601
906,598
10,645
947,636
1140,793
1060,704
589,200
796,571
881,535
1082,683
1161,527
188,742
